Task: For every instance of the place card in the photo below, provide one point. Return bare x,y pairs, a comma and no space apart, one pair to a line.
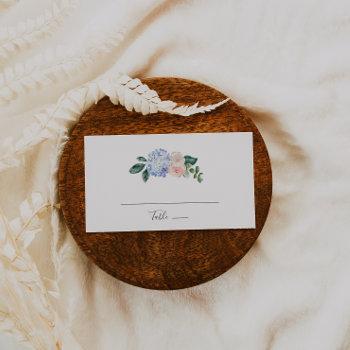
169,182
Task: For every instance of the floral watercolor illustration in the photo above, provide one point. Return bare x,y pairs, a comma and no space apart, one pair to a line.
160,163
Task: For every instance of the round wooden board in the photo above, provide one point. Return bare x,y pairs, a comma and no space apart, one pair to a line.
162,259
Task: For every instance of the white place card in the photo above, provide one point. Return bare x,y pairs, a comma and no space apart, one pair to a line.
169,182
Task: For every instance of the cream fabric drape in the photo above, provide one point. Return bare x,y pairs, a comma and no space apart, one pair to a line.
288,63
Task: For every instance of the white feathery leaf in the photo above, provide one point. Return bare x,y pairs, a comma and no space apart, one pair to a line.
27,225
134,95
40,71
50,122
48,67
26,311
26,33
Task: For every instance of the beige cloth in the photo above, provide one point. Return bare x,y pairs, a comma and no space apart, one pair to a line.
288,63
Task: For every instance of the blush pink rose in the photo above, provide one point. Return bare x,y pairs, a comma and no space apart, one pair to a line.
177,157
176,169
177,165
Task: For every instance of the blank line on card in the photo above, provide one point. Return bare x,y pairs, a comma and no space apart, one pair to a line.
169,203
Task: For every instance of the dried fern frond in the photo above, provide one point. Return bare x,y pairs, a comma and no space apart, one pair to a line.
134,95
42,70
26,33
50,122
52,66
25,306
32,135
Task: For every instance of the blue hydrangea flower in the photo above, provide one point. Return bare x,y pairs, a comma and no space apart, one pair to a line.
158,162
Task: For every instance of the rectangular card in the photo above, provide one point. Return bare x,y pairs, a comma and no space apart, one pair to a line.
169,182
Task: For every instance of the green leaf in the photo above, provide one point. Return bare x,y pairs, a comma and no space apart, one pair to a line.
145,175
136,168
190,160
191,170
200,177
196,172
142,159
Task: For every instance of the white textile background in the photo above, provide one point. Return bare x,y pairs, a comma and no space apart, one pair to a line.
288,63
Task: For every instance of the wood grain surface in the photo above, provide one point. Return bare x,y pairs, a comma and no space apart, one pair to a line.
162,259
